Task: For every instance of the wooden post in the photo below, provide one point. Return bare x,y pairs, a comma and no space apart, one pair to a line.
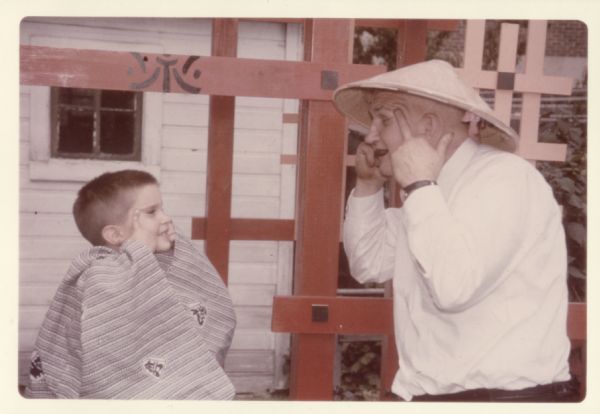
220,155
320,171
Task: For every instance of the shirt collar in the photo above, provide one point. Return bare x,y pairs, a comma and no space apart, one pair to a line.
455,165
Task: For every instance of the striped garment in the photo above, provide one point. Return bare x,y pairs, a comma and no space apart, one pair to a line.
133,324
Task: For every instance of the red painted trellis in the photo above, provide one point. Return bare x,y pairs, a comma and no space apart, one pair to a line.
328,53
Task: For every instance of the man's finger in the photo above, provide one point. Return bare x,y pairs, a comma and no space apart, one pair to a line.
442,145
367,151
403,125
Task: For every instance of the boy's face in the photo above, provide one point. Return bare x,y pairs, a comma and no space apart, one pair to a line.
146,220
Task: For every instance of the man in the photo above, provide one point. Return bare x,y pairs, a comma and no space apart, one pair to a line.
476,252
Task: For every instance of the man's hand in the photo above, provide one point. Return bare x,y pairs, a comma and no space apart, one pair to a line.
369,179
416,159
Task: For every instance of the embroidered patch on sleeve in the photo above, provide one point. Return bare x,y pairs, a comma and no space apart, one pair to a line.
154,366
199,312
36,373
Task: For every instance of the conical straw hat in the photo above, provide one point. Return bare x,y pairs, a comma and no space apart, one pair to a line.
433,79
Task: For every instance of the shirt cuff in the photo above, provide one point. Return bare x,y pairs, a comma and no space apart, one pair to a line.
423,204
365,207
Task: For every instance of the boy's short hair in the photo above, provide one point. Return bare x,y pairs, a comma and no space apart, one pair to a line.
103,201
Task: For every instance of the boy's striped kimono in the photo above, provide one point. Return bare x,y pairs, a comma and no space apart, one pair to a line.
133,324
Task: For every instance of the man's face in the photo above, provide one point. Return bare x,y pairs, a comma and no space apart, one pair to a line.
155,227
384,133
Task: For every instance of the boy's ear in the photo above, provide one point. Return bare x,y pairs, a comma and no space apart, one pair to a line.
113,234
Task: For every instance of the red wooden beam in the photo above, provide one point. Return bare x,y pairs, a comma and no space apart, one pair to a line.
220,156
360,315
435,24
213,75
346,315
250,229
321,152
577,321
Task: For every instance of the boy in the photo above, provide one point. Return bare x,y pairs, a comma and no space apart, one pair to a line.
141,314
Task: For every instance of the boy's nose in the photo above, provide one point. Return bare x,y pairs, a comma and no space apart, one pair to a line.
165,218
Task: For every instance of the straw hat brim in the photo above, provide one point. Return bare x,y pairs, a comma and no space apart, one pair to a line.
352,101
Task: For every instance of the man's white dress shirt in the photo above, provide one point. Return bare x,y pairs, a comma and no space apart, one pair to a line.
479,267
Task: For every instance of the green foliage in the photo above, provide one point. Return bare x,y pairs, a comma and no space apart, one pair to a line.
569,182
360,367
375,46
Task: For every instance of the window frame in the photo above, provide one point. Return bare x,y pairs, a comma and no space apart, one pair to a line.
135,155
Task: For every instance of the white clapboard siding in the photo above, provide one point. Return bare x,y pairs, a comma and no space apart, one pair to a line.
253,317
183,160
185,137
251,294
183,205
253,251
262,140
185,113
43,224
177,182
252,339
26,184
51,247
258,361
46,201
255,384
261,187
259,273
46,271
254,207
260,118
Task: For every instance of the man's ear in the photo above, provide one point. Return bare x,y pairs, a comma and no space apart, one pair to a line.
113,234
430,125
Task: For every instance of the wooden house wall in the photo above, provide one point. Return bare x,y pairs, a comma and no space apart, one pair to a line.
175,136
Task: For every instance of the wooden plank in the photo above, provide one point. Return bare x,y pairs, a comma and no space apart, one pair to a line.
360,315
321,152
435,24
414,42
210,75
311,368
220,155
577,321
346,315
249,229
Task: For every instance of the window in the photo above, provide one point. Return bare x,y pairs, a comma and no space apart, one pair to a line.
96,124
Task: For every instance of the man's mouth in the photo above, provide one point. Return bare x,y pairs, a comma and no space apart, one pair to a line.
380,152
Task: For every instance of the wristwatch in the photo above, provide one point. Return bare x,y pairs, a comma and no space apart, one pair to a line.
405,192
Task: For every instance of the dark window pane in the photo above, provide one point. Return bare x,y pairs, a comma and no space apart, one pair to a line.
117,99
116,132
75,131
79,97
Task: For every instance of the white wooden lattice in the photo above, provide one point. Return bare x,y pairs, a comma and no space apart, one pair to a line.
532,83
